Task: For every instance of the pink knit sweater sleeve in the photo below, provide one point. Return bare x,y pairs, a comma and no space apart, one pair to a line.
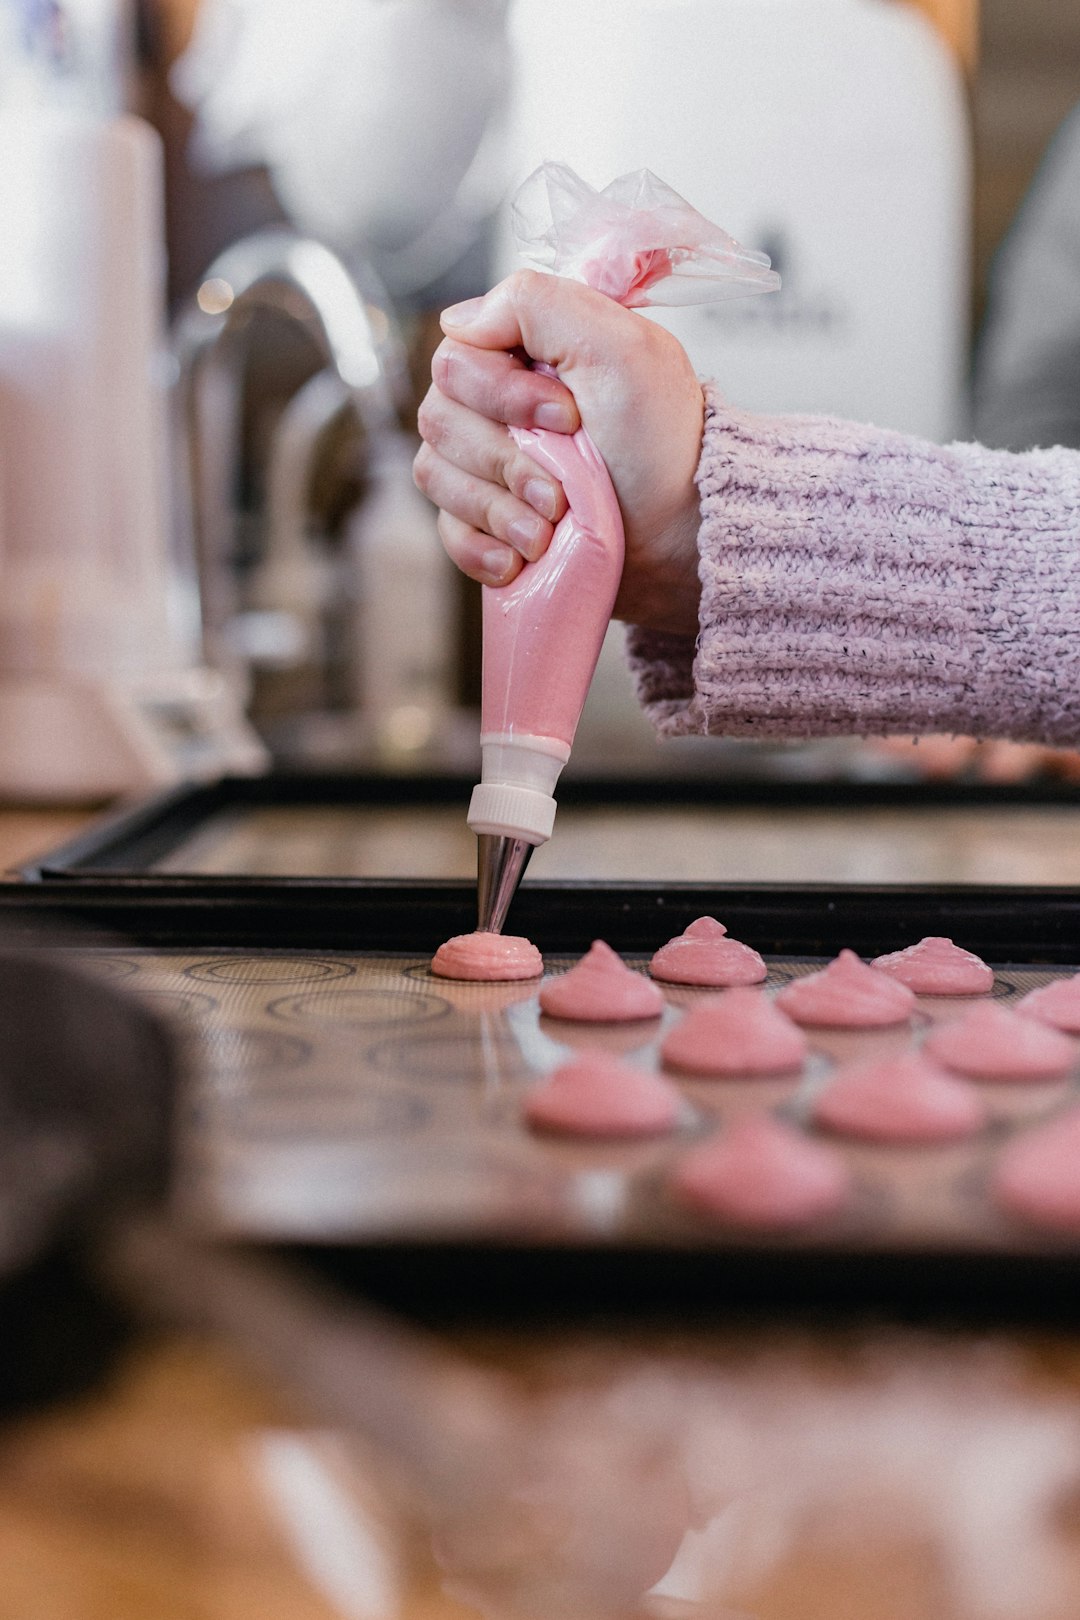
859,582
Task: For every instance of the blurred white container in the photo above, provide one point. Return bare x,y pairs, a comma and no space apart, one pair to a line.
405,619
831,133
100,690
82,51
84,570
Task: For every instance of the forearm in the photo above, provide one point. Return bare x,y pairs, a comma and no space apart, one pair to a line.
858,582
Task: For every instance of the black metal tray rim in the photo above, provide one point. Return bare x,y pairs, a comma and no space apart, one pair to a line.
1003,924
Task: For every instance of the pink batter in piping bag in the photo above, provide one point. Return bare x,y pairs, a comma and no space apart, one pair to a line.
640,243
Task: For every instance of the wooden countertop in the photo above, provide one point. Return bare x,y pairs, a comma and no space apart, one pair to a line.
190,1487
25,834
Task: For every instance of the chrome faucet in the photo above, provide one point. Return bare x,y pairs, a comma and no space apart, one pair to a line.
348,317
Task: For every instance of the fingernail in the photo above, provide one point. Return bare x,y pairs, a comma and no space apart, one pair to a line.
541,495
527,533
496,564
559,418
463,314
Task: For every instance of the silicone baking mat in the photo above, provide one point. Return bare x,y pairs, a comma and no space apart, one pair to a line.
355,1099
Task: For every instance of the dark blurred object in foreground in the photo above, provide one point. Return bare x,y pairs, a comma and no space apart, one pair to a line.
87,1079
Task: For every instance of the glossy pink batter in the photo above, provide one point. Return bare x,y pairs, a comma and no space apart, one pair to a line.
937,967
703,954
737,1032
994,1043
1057,1004
900,1099
847,995
598,1095
1037,1176
543,631
487,957
601,989
765,1175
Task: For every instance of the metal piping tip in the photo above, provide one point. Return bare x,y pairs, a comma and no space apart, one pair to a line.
500,865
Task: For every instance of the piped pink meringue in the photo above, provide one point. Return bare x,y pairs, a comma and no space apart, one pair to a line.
1037,1176
900,1099
847,995
703,954
937,967
601,989
992,1042
763,1174
1057,1003
598,1095
487,957
736,1032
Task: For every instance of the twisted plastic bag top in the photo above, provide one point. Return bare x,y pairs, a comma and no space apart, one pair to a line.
637,241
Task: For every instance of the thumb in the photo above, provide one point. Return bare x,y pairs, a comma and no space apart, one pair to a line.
552,318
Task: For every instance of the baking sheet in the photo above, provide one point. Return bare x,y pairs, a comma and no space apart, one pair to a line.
353,1099
693,844
719,832
363,1117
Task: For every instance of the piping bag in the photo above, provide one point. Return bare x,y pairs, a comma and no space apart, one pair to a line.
640,243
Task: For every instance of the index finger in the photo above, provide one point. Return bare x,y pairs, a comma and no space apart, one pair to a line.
503,387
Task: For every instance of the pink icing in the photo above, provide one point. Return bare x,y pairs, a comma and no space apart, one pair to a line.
1037,1176
486,957
763,1174
737,1032
543,631
937,967
994,1043
1057,1003
601,989
847,994
703,954
900,1099
600,1096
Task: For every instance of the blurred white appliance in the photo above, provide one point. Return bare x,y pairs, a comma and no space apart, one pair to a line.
379,120
833,134
102,688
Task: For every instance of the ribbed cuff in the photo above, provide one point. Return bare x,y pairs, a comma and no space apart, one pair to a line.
859,582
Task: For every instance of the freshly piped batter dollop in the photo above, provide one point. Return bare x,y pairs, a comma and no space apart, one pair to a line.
736,1032
995,1043
937,967
703,954
901,1099
1037,1176
847,995
1057,1003
598,1095
765,1175
487,957
601,989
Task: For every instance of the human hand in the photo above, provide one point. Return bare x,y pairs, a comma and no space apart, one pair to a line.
627,380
